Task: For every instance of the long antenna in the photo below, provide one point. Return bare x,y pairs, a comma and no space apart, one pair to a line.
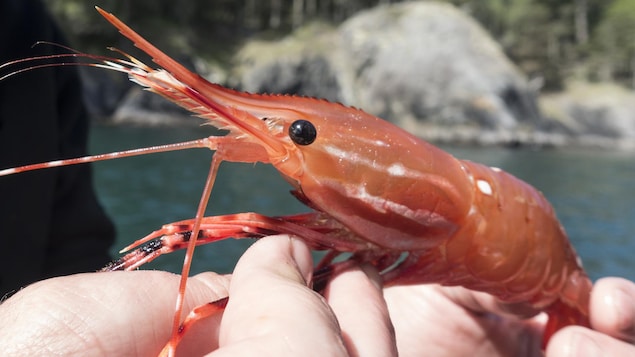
199,143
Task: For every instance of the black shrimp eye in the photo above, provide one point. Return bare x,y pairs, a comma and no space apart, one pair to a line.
302,132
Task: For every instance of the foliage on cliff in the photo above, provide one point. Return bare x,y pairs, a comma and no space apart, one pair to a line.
550,40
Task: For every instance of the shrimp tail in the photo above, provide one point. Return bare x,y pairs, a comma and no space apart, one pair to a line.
571,307
561,315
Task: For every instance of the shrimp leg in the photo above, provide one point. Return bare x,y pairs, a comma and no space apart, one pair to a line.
316,229
194,316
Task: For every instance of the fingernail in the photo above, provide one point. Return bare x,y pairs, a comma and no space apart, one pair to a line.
302,257
584,346
622,308
373,275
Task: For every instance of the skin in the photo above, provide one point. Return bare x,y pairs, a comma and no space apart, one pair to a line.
273,312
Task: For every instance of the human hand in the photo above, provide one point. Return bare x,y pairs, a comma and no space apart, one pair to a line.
612,318
271,311
102,314
453,321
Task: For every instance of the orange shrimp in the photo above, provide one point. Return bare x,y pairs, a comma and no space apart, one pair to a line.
376,191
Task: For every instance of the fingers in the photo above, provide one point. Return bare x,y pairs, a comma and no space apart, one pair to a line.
271,309
356,297
575,341
451,321
613,308
100,314
612,316
480,302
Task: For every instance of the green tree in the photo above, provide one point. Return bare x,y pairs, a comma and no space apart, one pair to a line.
615,40
552,39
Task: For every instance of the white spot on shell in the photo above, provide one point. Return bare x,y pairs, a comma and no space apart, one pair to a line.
484,187
496,169
579,261
397,170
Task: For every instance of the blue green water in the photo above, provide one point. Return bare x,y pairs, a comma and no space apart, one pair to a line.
591,190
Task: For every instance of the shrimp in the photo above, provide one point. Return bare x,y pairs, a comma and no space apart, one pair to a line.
376,192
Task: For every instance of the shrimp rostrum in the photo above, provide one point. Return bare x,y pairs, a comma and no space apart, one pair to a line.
376,191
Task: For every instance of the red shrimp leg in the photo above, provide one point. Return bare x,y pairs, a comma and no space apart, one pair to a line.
224,152
321,233
199,313
315,228
320,278
195,315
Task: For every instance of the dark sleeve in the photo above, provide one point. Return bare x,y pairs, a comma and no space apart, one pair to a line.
81,233
50,220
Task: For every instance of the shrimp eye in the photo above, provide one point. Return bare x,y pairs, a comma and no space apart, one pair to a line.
302,132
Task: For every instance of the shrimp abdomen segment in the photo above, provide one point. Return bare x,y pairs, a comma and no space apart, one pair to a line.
514,240
510,245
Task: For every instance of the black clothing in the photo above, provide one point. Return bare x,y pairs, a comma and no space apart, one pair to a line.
50,221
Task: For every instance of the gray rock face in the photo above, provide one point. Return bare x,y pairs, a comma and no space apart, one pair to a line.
141,107
433,63
308,74
594,114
